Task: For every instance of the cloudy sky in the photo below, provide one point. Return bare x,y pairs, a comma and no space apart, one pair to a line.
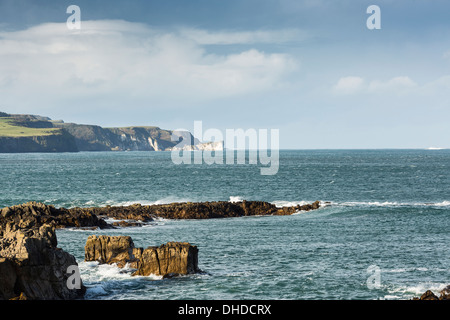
310,68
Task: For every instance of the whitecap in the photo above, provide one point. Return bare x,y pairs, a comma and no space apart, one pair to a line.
392,204
284,203
234,199
96,290
419,288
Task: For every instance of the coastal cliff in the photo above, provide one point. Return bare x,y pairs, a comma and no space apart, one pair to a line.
32,133
59,142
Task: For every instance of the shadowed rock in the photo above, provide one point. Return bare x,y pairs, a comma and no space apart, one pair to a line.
112,249
32,267
35,214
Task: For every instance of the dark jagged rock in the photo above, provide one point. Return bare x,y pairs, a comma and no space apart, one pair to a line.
31,264
35,214
167,260
112,249
32,267
445,293
429,295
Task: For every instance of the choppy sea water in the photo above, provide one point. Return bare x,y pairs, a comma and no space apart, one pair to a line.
384,210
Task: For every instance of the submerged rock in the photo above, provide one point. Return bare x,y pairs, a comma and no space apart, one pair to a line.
167,260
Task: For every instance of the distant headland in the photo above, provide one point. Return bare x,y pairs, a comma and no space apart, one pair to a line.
34,133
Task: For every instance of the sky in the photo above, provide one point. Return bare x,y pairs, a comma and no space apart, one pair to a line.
310,68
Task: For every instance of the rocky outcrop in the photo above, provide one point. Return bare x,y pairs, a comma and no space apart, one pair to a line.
199,210
32,267
31,264
112,249
429,295
173,258
35,214
167,260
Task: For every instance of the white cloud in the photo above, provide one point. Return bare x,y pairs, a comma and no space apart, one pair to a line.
397,84
348,85
205,37
354,84
117,61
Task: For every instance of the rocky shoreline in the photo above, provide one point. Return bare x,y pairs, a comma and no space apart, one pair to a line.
191,210
33,267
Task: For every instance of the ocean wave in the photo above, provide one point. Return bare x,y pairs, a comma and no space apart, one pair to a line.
390,204
284,203
114,203
418,289
93,272
278,203
234,199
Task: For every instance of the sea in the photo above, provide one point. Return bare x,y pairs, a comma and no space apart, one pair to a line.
382,232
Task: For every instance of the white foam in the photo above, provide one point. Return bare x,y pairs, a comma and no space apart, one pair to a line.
96,290
420,288
401,270
94,272
113,203
283,203
442,204
234,199
151,277
445,203
391,297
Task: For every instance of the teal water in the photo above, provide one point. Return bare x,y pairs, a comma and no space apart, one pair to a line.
383,209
